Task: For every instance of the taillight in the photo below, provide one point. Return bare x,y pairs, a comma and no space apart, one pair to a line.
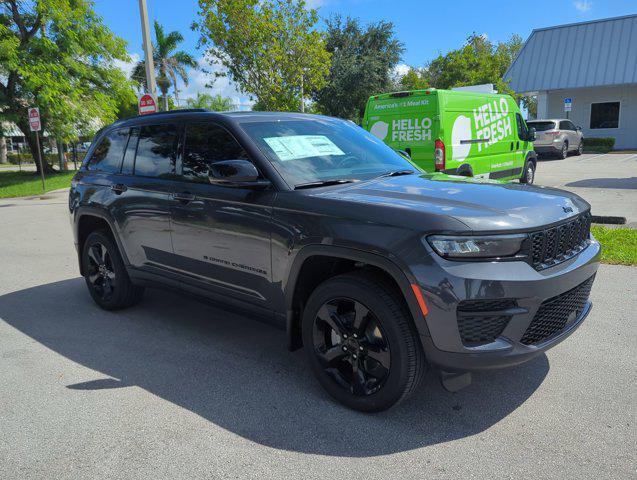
439,155
553,134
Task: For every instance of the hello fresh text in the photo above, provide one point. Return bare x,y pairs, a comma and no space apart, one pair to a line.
492,122
410,129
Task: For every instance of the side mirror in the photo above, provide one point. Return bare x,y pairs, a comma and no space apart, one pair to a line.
531,136
404,153
578,128
236,173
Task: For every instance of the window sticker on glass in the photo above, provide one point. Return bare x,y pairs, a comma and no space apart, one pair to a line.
302,146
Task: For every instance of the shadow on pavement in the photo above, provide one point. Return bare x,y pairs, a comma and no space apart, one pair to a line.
237,373
618,183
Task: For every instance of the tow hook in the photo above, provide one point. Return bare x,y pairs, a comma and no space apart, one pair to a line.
454,381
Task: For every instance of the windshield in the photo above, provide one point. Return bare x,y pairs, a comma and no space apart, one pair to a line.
541,126
323,150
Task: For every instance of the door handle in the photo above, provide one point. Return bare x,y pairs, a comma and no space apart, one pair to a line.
184,197
118,188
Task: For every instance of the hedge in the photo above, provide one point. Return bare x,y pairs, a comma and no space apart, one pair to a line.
13,158
599,144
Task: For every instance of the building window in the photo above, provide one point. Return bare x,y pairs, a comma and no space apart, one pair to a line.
605,115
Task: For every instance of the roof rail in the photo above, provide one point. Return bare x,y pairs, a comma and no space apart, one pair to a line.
167,112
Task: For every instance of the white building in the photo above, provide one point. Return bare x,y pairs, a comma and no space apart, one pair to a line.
594,64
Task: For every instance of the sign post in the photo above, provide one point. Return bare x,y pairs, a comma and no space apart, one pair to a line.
568,103
36,125
147,104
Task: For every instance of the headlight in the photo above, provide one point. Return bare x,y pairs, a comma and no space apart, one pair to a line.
492,246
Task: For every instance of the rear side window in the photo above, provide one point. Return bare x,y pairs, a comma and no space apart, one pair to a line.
107,156
156,151
542,126
566,125
205,144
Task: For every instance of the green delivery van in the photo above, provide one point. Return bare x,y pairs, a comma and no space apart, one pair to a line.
466,133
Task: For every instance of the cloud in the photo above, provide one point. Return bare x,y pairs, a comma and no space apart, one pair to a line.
197,81
127,67
400,70
583,5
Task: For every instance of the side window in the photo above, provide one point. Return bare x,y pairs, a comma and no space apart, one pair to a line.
566,125
107,156
571,126
156,151
205,144
129,155
523,132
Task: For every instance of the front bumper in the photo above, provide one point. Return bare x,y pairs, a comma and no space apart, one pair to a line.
455,282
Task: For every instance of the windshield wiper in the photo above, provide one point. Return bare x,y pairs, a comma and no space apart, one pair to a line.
396,173
322,183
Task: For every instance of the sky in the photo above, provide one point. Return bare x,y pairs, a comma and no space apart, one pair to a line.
426,28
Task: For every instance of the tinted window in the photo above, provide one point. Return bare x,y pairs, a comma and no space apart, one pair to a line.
107,156
522,130
605,115
542,126
566,125
207,143
129,154
156,151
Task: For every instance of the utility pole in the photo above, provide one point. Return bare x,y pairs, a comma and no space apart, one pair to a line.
148,50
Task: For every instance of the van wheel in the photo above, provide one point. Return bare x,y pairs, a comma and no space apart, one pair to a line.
564,151
528,176
580,149
361,343
105,273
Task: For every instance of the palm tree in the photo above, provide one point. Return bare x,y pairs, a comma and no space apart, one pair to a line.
169,64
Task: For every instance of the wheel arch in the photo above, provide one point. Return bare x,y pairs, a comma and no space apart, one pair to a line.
465,170
89,220
342,259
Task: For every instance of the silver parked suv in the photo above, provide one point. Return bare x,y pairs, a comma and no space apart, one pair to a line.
557,136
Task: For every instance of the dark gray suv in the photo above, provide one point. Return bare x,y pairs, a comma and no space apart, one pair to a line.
375,268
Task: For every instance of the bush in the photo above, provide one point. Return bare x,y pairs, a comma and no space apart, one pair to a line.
599,144
13,158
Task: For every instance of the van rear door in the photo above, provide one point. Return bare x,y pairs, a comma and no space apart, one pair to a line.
406,121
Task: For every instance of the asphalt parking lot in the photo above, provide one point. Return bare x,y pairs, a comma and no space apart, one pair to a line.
174,388
607,181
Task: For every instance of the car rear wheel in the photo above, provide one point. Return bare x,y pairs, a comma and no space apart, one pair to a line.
564,151
361,342
528,176
580,149
105,273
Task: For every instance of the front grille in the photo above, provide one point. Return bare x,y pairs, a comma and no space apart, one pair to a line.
482,321
555,313
557,244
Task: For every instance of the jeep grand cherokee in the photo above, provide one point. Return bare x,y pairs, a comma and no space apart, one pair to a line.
374,267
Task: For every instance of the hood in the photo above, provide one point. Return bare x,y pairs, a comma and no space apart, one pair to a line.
480,205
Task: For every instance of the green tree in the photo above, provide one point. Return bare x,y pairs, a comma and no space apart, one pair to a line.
170,64
214,103
362,63
478,61
58,55
414,79
269,48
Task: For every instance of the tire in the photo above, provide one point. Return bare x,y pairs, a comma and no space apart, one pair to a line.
105,273
563,153
385,350
528,176
580,149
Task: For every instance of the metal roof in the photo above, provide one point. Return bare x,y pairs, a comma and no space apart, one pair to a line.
588,54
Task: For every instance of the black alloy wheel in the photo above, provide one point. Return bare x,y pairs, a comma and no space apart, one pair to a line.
361,341
351,347
100,271
105,273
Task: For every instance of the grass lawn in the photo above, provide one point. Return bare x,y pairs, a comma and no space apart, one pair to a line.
619,245
23,184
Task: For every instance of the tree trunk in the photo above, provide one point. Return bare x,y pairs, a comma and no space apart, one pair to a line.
30,138
3,150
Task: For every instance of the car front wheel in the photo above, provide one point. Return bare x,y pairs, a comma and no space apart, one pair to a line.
580,149
361,342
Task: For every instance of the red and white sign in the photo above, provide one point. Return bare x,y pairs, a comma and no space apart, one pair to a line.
147,104
34,119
